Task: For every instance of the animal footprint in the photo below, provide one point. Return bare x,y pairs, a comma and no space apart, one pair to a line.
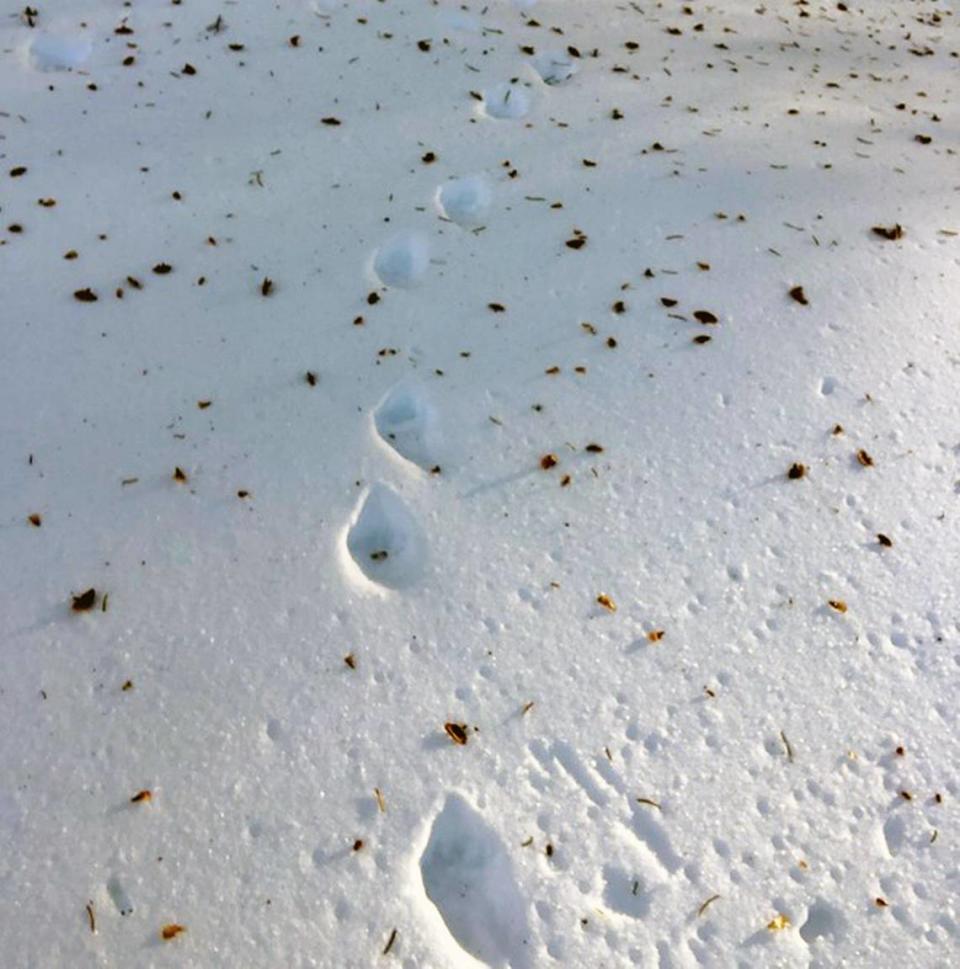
506,101
402,260
52,52
653,835
465,201
823,921
554,67
469,878
407,421
385,541
625,893
119,897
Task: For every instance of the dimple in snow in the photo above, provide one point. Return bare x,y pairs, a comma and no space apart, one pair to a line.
57,52
468,876
407,420
465,201
385,541
402,260
506,101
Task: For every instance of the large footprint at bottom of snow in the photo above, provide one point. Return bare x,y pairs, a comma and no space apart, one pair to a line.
385,541
469,878
407,420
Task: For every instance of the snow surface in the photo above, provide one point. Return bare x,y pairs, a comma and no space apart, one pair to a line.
594,707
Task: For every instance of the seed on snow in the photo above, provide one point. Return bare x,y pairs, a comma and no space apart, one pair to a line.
457,732
85,601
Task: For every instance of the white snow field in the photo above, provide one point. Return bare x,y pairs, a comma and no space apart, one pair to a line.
480,484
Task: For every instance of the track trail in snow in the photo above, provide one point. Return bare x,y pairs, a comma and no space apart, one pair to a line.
479,484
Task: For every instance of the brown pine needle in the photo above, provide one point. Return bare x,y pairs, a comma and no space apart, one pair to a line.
706,905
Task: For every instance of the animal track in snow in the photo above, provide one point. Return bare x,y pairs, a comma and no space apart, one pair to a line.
554,67
905,832
55,52
119,897
625,893
407,420
823,921
601,789
402,260
385,541
654,835
568,759
468,876
506,101
465,201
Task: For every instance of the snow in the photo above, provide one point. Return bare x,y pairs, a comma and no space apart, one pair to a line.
466,201
408,422
506,100
555,67
468,876
384,541
402,260
48,52
651,701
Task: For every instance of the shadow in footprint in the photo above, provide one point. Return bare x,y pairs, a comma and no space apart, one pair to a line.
506,101
554,67
385,541
54,52
625,893
402,260
407,420
465,201
653,835
823,921
469,878
119,897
